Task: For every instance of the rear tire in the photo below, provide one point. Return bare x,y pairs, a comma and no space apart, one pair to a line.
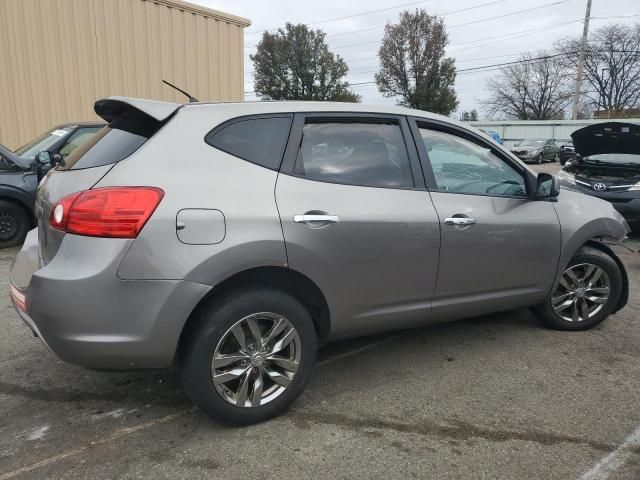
598,284
540,159
249,388
14,224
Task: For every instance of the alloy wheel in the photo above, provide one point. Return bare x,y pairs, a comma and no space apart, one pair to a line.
256,359
582,292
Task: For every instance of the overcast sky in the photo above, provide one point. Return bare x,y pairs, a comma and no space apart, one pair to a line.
484,42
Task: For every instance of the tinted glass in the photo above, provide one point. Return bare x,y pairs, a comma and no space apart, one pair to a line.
43,142
367,154
105,147
461,166
78,138
258,140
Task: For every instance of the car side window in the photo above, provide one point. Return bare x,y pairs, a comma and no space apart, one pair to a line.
462,166
78,138
259,140
355,153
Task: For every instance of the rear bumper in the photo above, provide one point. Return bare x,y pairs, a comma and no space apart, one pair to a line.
88,316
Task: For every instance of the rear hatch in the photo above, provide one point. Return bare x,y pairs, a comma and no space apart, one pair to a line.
131,122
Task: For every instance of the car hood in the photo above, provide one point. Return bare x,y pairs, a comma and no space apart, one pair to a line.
18,161
608,137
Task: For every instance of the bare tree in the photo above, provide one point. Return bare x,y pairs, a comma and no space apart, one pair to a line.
413,66
611,69
537,87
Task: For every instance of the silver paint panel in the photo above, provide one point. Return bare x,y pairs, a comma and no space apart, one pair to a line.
377,266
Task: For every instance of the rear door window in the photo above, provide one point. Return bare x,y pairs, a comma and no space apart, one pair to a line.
371,154
259,140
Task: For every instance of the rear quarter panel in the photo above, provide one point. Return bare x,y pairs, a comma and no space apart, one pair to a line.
195,175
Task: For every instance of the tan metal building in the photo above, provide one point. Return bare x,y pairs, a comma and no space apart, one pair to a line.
58,56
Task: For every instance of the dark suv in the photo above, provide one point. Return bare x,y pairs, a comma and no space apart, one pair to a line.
20,173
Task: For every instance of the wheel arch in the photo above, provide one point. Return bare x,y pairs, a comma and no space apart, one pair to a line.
599,244
20,199
299,286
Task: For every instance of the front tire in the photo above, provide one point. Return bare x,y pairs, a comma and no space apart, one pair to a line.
540,159
248,355
14,224
588,291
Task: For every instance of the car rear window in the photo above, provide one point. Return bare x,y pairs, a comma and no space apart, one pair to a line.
109,145
258,140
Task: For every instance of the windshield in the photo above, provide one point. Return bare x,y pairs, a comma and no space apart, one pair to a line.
622,158
531,143
41,143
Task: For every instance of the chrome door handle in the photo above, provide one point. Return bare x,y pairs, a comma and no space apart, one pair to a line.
307,218
459,221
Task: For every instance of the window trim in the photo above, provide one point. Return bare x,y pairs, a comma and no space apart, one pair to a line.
243,118
302,118
431,124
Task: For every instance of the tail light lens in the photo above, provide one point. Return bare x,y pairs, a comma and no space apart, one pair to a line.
19,298
114,212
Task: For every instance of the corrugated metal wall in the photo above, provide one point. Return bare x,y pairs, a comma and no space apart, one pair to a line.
58,56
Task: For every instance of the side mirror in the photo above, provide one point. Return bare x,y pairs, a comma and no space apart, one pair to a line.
548,187
57,160
44,158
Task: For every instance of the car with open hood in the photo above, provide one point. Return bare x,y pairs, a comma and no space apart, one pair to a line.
21,170
232,239
607,165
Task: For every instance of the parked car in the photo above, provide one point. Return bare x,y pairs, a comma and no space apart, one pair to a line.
567,153
537,151
233,239
20,174
607,165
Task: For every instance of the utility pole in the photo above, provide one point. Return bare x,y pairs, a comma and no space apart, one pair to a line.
583,47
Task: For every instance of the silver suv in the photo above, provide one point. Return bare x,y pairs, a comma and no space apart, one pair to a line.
233,239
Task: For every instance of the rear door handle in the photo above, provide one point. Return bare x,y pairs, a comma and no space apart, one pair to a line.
459,221
313,218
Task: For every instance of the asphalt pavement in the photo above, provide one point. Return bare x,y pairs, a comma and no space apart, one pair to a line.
491,397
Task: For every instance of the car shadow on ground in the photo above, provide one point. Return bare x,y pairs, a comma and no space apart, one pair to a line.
66,383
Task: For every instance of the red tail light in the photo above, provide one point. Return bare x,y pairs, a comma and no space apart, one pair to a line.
19,298
116,212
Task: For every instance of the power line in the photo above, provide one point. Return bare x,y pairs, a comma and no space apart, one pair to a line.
437,14
521,33
509,14
348,16
498,66
464,24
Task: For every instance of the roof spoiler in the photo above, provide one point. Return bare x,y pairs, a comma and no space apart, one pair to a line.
607,137
135,115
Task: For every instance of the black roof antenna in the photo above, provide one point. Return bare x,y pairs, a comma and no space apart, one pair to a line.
191,99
